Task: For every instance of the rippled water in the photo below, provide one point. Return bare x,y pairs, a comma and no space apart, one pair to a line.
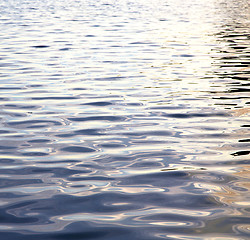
124,119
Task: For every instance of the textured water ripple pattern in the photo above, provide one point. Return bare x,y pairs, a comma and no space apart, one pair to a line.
124,119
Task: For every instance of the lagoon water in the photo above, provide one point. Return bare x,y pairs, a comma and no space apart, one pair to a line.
124,119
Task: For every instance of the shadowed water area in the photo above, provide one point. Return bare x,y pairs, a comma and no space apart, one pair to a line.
124,119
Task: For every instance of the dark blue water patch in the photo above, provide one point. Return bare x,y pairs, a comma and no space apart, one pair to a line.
183,55
98,104
8,64
18,136
7,152
140,43
159,179
149,133
58,161
35,154
82,132
7,147
103,96
79,89
182,115
6,183
146,142
55,74
54,98
112,145
94,178
64,49
65,135
11,88
96,131
115,46
7,160
146,164
18,106
13,114
37,126
187,168
133,104
84,230
98,118
12,195
109,203
10,218
29,123
109,78
17,209
56,172
5,131
77,149
35,85
4,99
95,203
87,234
163,20
168,107
186,201
44,113
41,46
236,162
195,115
39,141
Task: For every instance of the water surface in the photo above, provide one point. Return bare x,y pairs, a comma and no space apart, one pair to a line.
124,119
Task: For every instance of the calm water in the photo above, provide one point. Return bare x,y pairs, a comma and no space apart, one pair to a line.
124,119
